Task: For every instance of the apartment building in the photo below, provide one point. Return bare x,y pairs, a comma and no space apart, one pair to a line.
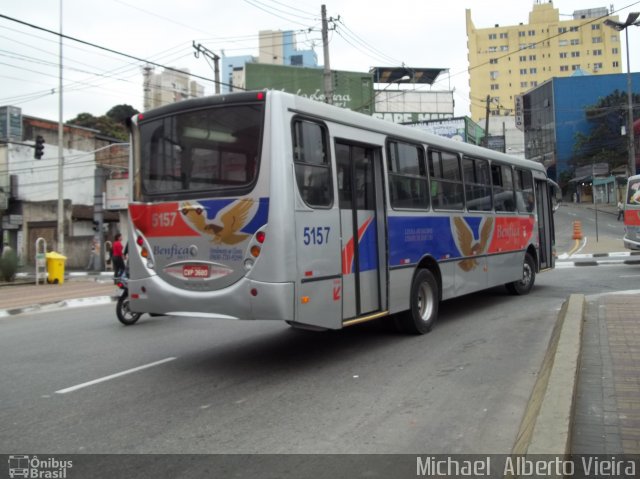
168,86
506,61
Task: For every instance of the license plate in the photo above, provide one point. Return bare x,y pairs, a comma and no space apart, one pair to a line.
120,291
195,271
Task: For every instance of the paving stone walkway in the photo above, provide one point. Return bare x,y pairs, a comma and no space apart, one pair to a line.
607,409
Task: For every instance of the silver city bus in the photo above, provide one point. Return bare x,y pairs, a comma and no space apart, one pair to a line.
266,205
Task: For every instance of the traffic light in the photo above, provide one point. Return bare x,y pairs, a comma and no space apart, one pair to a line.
39,151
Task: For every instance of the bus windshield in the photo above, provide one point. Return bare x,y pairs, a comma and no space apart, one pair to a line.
214,150
633,192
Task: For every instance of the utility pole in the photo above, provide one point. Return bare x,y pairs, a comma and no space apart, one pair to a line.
212,56
632,153
485,140
328,91
98,216
60,223
147,71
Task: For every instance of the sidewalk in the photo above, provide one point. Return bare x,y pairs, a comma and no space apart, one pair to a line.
596,410
606,411
24,294
607,407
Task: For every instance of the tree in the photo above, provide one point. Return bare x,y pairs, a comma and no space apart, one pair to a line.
84,119
120,113
604,142
112,124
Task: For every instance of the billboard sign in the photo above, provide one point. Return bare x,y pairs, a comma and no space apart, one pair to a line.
454,129
352,90
117,194
519,112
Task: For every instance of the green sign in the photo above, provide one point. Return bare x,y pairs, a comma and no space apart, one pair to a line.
352,90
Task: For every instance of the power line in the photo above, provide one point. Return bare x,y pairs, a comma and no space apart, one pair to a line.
307,16
71,85
367,45
258,4
113,51
109,73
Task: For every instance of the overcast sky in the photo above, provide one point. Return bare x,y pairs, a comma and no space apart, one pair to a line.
418,33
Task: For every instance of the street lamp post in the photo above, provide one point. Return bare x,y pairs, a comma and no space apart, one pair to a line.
631,20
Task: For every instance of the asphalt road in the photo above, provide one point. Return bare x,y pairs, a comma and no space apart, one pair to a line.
261,387
76,381
595,225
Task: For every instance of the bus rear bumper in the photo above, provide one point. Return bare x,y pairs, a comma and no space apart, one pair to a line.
246,299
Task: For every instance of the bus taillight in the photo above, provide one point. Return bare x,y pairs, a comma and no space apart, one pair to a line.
255,251
260,236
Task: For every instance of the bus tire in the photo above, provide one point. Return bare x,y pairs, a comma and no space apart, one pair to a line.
524,285
421,317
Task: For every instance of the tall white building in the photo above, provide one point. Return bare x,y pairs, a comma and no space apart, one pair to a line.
168,86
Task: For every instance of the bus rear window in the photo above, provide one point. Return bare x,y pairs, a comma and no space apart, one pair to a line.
214,150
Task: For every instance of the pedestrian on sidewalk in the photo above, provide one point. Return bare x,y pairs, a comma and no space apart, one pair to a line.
93,256
620,210
117,256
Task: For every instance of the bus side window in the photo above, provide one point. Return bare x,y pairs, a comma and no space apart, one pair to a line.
477,184
446,180
503,192
312,166
407,176
524,191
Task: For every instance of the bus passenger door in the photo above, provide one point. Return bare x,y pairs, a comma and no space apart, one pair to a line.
362,221
546,234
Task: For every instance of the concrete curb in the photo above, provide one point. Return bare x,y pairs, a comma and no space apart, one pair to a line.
597,259
546,426
67,303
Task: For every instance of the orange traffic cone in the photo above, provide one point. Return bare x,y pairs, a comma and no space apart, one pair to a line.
577,230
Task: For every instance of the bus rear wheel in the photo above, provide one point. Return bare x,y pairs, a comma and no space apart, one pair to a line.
524,285
421,317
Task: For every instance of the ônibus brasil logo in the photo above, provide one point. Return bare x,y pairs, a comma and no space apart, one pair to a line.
36,468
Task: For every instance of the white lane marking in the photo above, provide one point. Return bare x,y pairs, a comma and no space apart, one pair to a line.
561,265
113,376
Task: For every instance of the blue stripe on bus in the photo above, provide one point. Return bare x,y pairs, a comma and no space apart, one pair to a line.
368,248
411,237
259,219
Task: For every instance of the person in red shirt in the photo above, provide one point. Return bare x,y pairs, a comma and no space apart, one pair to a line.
117,256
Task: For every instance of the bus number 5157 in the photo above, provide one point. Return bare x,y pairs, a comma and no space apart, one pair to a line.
316,235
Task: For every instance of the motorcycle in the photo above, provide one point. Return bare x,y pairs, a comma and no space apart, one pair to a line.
125,315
